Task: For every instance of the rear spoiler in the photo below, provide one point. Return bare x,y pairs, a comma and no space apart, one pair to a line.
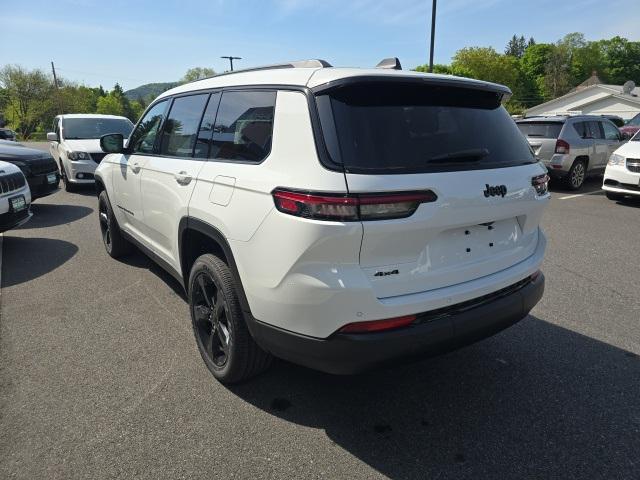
436,80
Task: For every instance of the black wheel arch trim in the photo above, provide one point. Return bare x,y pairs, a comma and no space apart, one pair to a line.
190,223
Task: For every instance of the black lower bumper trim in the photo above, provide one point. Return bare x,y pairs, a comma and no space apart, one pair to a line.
10,219
354,353
40,187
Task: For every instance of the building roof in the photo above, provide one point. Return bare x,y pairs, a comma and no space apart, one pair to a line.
605,91
592,80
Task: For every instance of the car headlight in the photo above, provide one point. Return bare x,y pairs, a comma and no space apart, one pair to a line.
616,159
78,156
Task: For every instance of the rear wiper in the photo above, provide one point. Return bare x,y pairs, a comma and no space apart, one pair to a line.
535,135
470,155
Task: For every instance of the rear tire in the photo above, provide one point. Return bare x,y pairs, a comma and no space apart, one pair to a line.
114,243
577,173
222,336
616,197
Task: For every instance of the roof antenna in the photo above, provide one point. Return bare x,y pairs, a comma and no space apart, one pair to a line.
391,63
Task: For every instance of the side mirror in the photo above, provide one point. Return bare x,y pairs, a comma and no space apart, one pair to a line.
52,137
112,143
625,136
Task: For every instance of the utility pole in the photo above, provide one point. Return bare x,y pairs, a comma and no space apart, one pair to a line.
231,59
55,82
433,33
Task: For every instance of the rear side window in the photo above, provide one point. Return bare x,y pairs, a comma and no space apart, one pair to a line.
389,128
610,131
582,129
595,130
181,127
244,126
540,129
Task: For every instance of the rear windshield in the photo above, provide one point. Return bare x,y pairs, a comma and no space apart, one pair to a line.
540,129
389,128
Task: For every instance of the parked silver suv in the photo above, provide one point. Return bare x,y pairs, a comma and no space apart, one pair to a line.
572,147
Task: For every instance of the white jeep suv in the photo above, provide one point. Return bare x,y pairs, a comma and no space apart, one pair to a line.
15,197
337,218
75,144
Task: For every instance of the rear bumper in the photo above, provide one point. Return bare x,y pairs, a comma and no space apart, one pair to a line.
434,333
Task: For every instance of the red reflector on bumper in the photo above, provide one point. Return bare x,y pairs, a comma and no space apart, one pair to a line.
378,325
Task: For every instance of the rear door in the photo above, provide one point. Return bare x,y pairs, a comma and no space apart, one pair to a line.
600,155
461,145
542,137
167,179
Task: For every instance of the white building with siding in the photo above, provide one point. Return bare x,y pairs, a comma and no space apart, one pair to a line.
595,99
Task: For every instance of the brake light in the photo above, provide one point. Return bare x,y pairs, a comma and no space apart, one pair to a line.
350,207
562,147
541,184
378,325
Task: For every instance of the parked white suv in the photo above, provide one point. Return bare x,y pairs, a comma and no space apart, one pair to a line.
75,144
337,218
15,197
622,176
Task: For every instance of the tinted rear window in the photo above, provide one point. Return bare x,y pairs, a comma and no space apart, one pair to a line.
540,129
244,126
392,128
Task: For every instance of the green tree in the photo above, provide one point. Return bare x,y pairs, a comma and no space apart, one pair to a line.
29,95
110,105
487,64
621,59
557,80
443,69
516,46
586,60
197,73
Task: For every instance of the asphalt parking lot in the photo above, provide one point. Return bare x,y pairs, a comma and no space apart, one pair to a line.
100,376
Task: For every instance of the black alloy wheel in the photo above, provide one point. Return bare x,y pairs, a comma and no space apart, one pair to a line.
210,311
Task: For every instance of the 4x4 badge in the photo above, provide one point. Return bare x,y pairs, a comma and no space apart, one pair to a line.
495,191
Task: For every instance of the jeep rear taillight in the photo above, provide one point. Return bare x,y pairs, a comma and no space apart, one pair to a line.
350,207
562,147
541,184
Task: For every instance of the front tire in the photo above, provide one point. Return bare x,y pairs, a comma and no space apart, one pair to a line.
577,174
114,243
68,186
222,336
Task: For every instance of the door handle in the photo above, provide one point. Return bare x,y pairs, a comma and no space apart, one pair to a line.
135,167
183,178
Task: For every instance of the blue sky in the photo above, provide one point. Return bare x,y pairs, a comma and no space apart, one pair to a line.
140,41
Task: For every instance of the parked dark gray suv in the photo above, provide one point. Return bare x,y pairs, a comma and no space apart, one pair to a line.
572,147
